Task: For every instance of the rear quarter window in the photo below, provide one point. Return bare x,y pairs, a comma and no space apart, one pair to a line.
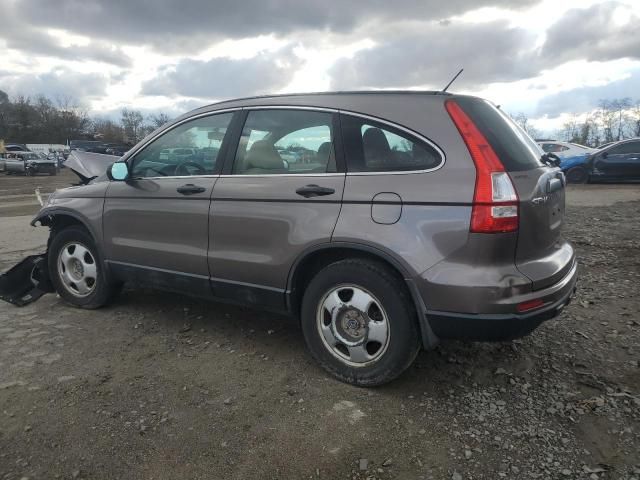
372,146
517,150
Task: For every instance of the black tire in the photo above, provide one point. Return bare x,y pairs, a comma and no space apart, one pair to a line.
103,289
577,175
403,340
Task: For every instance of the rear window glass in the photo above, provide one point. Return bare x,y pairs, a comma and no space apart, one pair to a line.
517,150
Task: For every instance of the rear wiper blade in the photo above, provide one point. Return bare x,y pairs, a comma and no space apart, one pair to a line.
550,159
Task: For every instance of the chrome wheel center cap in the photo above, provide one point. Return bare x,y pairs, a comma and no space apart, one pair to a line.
77,269
351,325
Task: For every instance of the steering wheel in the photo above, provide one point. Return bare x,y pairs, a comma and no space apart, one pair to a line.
181,168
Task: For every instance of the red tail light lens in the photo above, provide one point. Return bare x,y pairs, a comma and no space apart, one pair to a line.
530,305
495,202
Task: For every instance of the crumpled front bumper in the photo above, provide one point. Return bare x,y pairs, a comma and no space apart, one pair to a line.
26,282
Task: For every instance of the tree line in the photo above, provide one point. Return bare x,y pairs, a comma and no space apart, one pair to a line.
613,120
41,119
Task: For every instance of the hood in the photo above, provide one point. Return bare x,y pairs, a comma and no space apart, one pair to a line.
89,165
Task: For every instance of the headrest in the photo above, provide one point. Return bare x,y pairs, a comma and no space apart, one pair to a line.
264,155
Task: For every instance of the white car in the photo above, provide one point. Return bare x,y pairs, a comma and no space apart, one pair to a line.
564,149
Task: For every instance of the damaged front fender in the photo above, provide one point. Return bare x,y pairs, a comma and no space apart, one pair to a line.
26,282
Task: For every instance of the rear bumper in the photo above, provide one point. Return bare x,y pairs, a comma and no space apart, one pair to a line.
505,326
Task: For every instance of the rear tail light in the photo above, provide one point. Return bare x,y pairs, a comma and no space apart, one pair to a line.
495,201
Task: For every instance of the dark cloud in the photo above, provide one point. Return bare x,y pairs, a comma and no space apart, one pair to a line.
31,40
592,34
60,82
222,78
430,54
585,99
190,25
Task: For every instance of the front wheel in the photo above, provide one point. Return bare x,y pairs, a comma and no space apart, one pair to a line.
76,269
577,175
359,322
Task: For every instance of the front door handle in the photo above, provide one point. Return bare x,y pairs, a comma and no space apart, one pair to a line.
314,191
190,189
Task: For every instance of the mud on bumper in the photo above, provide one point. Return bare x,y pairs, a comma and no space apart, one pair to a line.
26,282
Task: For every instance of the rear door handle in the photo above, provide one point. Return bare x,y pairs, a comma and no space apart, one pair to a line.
314,191
190,189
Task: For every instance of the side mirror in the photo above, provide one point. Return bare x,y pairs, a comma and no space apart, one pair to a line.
118,171
604,154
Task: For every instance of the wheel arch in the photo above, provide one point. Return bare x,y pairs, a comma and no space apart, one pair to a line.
315,258
58,218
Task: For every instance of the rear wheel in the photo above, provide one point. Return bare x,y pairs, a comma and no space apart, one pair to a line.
359,322
76,269
577,175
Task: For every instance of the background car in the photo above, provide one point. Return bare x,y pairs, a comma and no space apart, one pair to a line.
564,149
619,162
30,163
118,150
575,168
15,147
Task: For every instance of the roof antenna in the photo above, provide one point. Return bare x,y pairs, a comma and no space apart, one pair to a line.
452,80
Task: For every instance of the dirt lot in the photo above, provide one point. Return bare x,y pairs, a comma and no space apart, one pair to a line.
160,386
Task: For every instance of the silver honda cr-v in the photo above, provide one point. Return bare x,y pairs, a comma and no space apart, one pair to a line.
384,221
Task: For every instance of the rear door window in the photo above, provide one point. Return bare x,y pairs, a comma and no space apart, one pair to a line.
375,147
281,141
515,148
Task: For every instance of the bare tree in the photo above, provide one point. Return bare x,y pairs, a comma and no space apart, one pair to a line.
158,120
570,128
620,106
133,124
108,130
635,119
522,120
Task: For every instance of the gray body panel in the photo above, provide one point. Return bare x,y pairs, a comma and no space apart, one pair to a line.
542,254
148,223
88,165
259,225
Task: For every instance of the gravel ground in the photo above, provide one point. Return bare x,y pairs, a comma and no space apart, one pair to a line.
160,386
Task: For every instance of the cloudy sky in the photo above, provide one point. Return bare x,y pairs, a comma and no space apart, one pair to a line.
545,58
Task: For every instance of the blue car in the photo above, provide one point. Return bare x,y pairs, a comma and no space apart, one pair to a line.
576,168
